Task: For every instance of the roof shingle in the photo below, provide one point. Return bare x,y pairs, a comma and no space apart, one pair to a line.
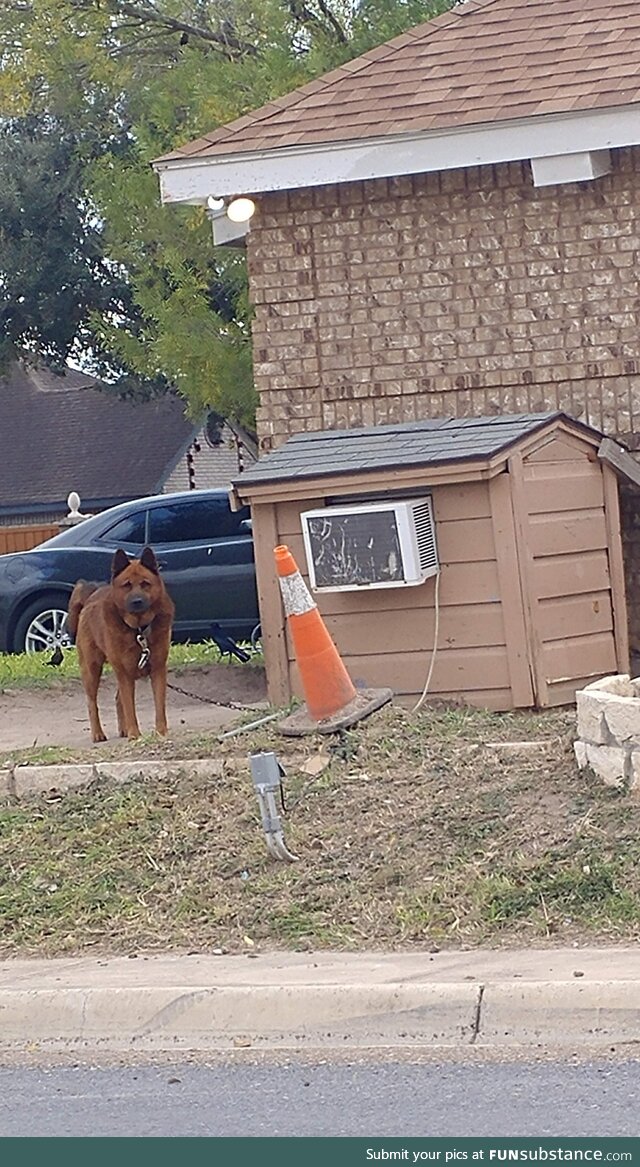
423,443
483,62
59,434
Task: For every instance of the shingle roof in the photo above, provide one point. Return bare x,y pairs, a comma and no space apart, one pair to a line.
485,61
422,443
59,434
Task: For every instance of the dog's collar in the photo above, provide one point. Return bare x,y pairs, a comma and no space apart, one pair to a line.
144,628
141,634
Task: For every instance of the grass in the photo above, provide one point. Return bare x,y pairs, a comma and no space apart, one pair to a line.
419,832
30,670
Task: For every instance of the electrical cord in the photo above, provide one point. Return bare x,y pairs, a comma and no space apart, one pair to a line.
423,696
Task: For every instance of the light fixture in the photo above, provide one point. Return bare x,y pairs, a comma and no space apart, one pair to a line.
215,204
240,210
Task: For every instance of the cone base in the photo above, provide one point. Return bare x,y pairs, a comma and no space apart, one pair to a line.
366,701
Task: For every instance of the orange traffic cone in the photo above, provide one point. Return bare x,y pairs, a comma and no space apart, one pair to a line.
332,701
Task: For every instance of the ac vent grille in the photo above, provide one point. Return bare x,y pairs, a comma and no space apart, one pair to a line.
372,545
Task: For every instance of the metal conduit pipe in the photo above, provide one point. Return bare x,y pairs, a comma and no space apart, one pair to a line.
267,772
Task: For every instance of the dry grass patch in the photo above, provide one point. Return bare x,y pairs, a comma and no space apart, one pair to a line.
420,831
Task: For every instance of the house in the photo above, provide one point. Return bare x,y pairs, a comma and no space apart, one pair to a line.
66,433
447,225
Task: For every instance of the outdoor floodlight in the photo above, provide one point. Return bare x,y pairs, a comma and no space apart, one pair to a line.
240,210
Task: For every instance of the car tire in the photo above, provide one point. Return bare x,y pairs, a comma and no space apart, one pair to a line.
42,625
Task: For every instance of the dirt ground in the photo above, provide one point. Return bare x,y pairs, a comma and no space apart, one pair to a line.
31,718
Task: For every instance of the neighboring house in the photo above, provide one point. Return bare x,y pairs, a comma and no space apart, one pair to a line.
219,452
447,225
64,433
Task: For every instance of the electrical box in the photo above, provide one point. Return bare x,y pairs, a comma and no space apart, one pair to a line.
372,545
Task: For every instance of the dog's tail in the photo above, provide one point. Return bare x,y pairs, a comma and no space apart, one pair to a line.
79,597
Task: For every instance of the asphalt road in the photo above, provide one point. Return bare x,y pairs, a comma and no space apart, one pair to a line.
372,1099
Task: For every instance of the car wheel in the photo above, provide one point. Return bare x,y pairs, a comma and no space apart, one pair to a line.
43,625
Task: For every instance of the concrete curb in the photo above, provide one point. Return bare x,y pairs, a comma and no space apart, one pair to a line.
18,781
351,1001
596,1013
304,1017
321,1017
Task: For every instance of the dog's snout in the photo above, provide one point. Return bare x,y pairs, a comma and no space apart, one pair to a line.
137,604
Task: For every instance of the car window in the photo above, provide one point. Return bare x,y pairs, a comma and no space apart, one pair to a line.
131,529
195,520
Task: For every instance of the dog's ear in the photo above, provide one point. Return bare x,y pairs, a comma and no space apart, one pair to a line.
119,562
149,560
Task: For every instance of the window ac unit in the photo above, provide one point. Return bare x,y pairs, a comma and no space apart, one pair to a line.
373,545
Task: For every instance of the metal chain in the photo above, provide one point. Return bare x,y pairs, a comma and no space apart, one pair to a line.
206,700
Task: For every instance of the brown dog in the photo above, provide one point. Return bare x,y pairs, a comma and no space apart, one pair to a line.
127,623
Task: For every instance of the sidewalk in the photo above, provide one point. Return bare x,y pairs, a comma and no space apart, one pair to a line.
486,998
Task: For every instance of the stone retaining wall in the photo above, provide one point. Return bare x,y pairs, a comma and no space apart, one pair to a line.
609,730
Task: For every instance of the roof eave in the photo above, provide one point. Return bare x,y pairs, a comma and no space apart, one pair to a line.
193,179
283,489
454,469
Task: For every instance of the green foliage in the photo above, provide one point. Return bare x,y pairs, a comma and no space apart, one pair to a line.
51,267
54,276
29,670
138,79
559,885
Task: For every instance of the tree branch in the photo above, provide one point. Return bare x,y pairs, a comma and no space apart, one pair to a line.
304,15
233,46
147,14
341,36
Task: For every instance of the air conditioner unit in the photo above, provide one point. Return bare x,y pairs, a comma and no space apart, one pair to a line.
373,545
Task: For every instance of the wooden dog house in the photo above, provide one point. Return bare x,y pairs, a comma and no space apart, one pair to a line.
531,602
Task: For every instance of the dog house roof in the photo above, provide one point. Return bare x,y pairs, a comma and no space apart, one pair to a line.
327,453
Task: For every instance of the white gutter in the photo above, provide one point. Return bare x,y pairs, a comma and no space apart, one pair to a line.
194,179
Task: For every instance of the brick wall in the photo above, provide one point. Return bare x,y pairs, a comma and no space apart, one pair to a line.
466,292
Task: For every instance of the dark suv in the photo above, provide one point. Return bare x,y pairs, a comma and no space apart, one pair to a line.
205,552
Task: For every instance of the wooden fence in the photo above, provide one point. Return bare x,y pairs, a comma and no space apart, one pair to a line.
23,538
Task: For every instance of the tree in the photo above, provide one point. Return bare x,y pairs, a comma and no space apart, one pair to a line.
139,77
54,276
49,262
